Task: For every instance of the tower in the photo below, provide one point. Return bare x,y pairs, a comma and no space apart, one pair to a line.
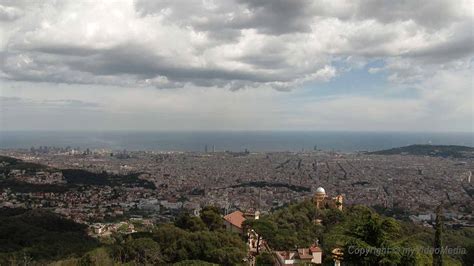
319,197
338,201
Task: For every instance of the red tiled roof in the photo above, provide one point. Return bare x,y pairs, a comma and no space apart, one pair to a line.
304,253
236,218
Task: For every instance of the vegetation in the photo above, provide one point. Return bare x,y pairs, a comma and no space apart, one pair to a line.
289,227
189,239
83,177
265,259
431,150
8,163
39,235
272,184
438,241
23,187
74,178
27,236
35,235
358,228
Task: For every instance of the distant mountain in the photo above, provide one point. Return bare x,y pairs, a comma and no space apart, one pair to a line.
431,150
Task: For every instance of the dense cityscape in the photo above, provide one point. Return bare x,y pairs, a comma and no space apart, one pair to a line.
405,186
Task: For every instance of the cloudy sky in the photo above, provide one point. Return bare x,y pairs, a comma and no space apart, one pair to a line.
360,65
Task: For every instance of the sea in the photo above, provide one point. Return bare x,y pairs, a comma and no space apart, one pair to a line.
253,141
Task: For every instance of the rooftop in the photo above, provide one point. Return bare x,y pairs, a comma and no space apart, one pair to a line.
235,218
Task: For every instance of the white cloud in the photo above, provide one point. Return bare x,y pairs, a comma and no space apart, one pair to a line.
184,42
220,59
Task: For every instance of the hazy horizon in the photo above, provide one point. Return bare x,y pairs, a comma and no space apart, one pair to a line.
260,141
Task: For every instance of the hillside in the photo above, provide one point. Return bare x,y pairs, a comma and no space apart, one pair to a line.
430,150
42,236
73,177
357,227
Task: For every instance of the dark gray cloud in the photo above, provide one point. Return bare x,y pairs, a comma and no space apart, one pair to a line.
279,16
428,13
122,61
460,45
225,19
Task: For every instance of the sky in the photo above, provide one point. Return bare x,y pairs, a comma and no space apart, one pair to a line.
348,65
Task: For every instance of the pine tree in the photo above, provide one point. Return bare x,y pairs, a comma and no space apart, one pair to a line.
438,243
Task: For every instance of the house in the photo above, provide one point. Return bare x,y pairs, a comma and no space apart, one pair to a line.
233,222
311,255
285,258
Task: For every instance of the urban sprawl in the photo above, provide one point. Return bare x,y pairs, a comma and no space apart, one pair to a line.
405,185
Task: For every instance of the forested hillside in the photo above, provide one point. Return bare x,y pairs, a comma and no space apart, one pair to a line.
44,237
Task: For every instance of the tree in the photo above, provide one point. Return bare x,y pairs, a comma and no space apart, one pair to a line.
228,255
438,241
141,250
468,258
193,263
191,223
263,227
332,217
264,259
211,216
98,256
366,230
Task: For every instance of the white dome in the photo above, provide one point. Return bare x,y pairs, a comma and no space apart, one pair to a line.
320,190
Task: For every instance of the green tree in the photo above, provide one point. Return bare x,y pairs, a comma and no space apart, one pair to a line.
332,217
191,223
264,228
194,263
211,216
140,250
98,256
264,259
366,230
468,258
228,255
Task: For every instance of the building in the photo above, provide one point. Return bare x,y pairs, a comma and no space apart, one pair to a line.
311,255
321,200
233,222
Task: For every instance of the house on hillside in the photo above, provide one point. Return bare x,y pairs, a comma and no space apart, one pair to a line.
311,255
233,222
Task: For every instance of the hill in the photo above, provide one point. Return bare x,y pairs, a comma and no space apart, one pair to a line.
40,236
357,228
84,177
73,177
44,237
453,151
8,164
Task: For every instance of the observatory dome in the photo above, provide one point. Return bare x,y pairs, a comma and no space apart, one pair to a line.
320,190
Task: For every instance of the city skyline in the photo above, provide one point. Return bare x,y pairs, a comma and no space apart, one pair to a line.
237,65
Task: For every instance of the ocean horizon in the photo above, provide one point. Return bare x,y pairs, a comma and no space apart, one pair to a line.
254,141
